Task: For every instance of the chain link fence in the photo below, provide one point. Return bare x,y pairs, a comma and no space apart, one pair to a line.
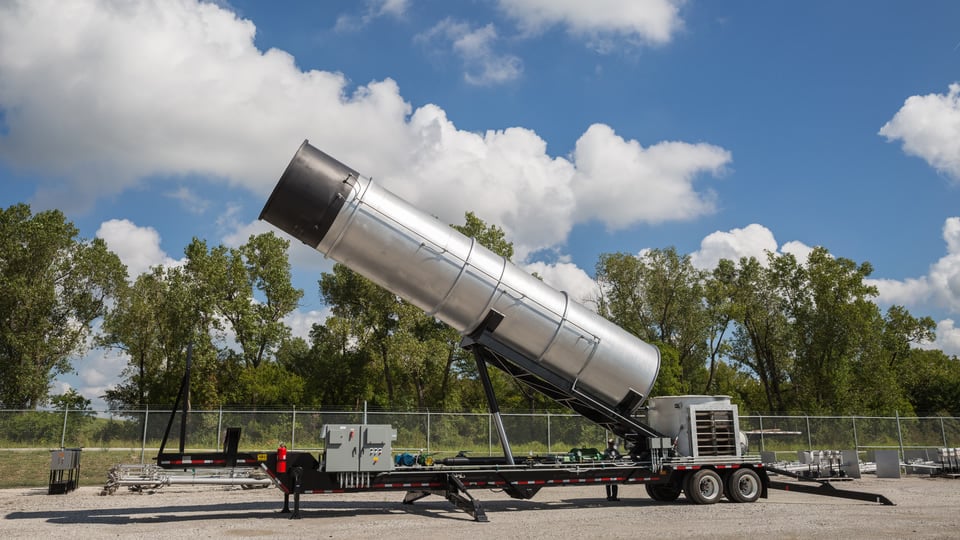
439,432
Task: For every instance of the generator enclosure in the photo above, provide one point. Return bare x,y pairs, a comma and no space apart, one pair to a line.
358,447
701,426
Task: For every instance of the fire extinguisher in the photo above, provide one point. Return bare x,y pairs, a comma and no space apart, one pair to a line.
282,459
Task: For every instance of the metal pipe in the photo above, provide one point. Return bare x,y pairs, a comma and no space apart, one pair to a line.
347,217
188,480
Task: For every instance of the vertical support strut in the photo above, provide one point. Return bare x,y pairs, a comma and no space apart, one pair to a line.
297,488
492,401
186,398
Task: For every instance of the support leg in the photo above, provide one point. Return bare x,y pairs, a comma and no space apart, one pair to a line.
492,400
286,504
297,488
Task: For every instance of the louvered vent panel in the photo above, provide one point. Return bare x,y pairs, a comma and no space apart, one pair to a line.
716,435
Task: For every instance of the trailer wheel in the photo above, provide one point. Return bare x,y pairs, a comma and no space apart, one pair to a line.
663,492
704,487
743,486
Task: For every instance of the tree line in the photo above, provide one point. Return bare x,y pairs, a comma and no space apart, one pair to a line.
778,335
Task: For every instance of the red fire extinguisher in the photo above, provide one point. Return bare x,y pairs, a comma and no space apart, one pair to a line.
282,459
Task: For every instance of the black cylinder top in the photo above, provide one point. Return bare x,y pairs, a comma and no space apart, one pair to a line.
309,195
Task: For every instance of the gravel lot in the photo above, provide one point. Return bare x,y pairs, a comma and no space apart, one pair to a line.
926,508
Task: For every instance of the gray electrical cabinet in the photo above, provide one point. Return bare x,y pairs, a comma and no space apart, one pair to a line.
358,448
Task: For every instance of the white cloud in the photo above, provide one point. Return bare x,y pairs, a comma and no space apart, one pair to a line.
301,322
189,200
138,247
620,183
649,21
374,9
751,241
95,371
475,46
948,338
929,127
939,288
79,81
799,250
754,240
567,277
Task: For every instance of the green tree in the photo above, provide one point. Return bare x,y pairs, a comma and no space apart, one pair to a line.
718,297
659,297
246,290
931,380
72,400
54,286
336,372
760,340
249,287
153,323
835,328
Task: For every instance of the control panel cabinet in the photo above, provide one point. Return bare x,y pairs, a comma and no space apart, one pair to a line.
358,448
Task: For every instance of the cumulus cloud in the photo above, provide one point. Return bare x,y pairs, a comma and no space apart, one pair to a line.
138,247
948,338
929,128
189,200
301,322
374,9
754,240
799,250
475,46
751,241
101,96
95,371
566,276
648,21
939,288
619,182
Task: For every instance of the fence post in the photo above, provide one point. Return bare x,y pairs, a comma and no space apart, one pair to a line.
143,442
900,435
943,432
293,429
548,432
762,448
63,434
856,440
809,437
489,434
428,431
219,438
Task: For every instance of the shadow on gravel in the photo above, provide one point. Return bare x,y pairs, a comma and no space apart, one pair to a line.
309,509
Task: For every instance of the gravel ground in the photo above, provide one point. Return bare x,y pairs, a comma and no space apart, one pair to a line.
926,508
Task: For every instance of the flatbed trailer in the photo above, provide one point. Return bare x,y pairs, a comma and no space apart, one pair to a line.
304,476
510,320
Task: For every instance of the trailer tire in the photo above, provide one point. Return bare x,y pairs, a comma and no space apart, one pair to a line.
743,486
704,487
663,492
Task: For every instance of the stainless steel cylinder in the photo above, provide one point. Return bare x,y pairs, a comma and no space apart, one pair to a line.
347,217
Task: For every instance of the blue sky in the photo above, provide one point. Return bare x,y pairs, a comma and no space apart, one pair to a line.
721,128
